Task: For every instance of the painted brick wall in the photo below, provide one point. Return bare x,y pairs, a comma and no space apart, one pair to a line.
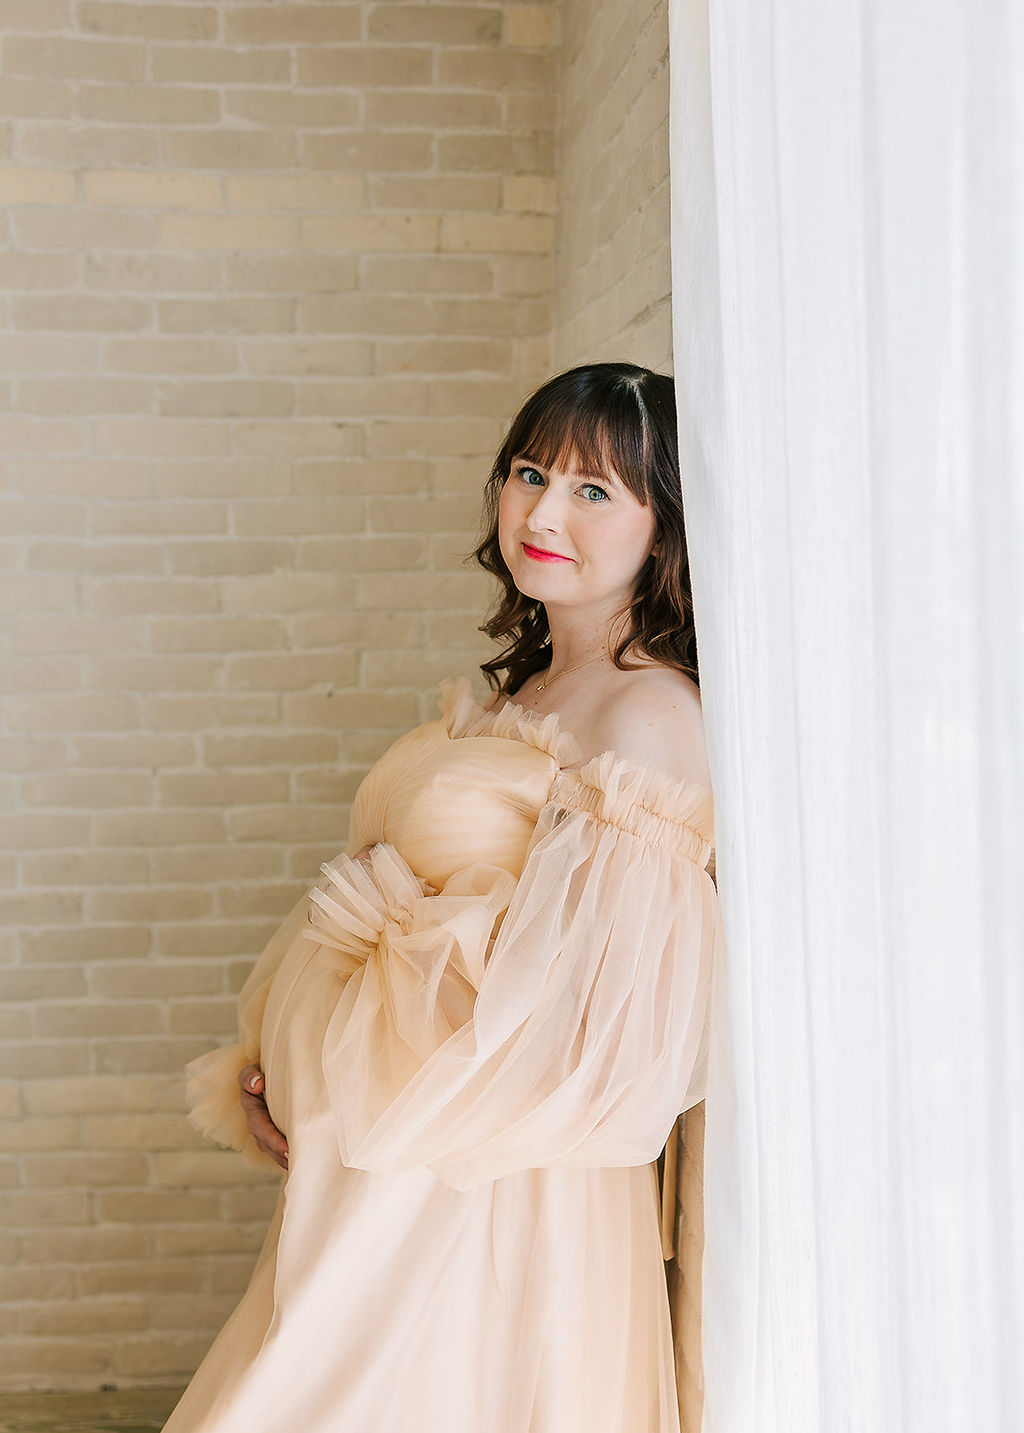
274,275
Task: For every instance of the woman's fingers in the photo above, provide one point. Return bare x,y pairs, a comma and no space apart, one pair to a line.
262,1128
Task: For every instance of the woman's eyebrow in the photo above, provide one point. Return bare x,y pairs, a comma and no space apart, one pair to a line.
601,477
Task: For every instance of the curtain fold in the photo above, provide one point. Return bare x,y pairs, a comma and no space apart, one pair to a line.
848,291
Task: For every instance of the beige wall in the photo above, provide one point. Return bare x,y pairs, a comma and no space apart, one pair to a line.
276,276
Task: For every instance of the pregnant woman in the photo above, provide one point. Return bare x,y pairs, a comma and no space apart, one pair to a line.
468,1043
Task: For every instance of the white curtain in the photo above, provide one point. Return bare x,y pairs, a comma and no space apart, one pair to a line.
848,253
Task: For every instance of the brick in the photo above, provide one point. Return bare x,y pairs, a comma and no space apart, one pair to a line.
52,58
89,713
362,554
508,153
81,311
141,1131
125,1056
440,355
273,315
43,99
41,982
227,231
148,21
290,273
36,1285
217,559
22,1061
149,904
309,358
191,713
365,65
77,633
214,65
367,150
26,829
505,233
221,789
82,868
85,395
135,189
40,674
215,634
329,477
82,229
158,437
154,828
534,26
443,274
144,749
330,109
295,191
497,70
169,355
88,1246
397,109
293,24
86,1170
471,436
31,1134
199,518
87,477
86,1316
227,399
80,788
229,149
294,671
227,477
52,1359
117,597
287,592
24,185
441,192
529,193
375,232
229,1272
149,104
120,1018
96,557
301,516
22,434
152,1206
436,24
143,273
280,823
20,271
159,979
151,1276
35,14
96,1093
87,145
368,314
50,943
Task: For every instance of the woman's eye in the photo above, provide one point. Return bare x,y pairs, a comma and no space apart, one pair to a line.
593,493
529,474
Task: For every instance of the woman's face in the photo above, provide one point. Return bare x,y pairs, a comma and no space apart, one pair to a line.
571,538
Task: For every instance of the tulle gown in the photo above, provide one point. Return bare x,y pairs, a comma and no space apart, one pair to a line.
477,1041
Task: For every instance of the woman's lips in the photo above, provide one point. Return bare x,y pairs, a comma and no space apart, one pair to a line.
539,555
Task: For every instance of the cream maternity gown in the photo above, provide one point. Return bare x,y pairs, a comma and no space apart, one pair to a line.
477,1040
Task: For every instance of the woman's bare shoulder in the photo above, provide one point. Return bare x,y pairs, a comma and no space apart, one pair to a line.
654,717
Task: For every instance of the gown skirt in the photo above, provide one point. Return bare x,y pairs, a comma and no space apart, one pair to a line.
477,1040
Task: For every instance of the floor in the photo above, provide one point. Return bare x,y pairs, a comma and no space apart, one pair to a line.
137,1410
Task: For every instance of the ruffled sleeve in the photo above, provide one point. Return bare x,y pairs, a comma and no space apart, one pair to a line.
495,1025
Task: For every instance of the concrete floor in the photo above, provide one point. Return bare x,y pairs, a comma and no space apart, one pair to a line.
136,1410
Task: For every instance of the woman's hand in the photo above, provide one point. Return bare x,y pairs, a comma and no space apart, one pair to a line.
262,1128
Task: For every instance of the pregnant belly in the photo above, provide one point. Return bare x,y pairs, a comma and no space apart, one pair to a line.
300,1002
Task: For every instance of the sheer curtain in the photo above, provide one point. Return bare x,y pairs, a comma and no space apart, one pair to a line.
848,253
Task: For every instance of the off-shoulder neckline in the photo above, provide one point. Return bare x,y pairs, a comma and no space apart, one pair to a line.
616,776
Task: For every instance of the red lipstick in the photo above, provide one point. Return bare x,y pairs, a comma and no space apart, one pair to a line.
539,555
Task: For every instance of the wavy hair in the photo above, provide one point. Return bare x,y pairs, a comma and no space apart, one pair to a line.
608,416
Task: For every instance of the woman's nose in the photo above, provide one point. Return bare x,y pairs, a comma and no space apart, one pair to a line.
546,512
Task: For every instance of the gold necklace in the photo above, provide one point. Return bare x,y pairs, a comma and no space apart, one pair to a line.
587,663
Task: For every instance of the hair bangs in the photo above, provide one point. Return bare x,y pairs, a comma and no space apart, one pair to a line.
601,434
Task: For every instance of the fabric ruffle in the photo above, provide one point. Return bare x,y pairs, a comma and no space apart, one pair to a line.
464,716
215,1106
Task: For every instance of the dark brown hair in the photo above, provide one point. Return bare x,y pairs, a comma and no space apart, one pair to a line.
608,416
